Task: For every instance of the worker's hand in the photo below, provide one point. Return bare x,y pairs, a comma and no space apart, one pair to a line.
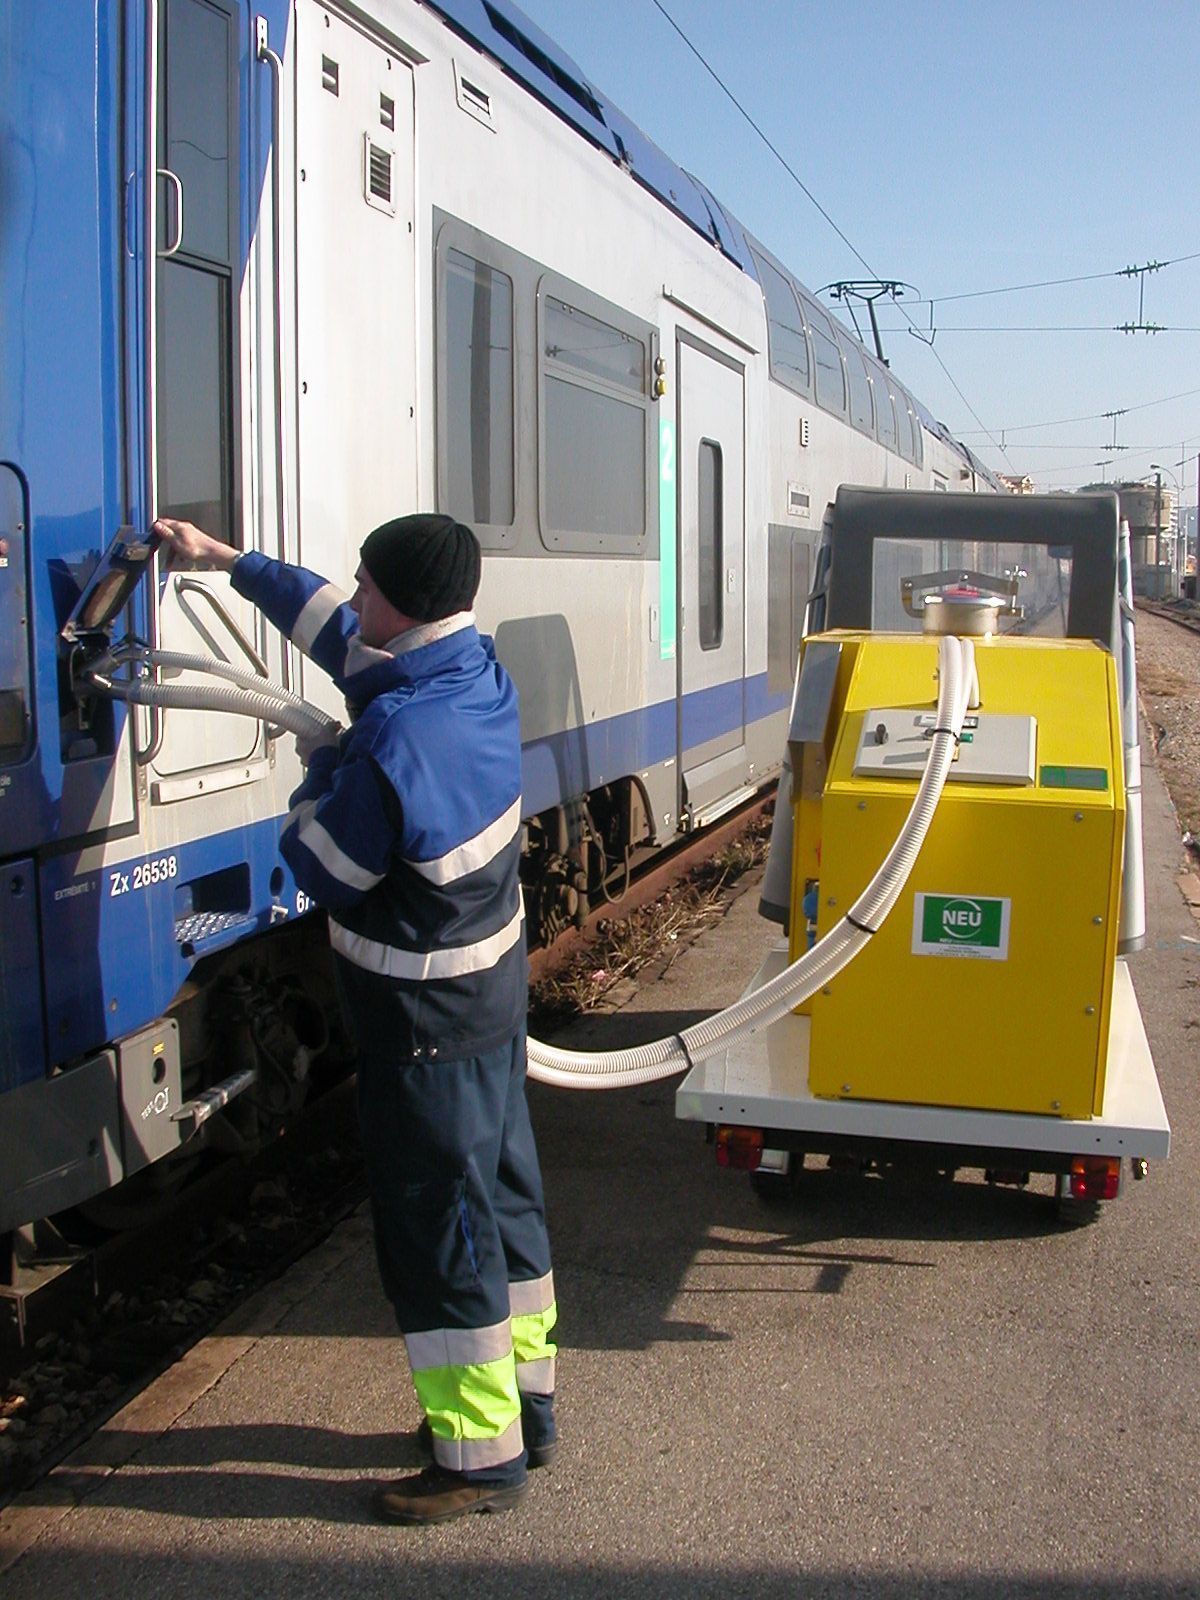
187,545
307,744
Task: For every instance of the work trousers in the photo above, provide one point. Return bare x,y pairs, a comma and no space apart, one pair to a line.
460,1236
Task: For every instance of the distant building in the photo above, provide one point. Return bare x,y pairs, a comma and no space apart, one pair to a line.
1150,511
1015,484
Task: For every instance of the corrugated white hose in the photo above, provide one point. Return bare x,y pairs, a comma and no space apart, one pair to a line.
266,704
661,1059
214,666
177,661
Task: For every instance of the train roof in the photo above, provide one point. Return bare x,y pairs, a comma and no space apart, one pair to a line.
544,68
547,71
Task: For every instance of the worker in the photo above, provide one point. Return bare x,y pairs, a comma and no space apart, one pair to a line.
407,830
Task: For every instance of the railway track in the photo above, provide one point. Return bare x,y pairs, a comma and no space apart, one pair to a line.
1186,613
84,1334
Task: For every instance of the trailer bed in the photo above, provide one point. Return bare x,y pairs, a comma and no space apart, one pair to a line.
764,1083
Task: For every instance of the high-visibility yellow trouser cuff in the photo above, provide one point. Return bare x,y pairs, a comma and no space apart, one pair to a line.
534,1351
473,1407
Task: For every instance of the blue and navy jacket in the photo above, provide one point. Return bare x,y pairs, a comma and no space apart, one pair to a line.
408,831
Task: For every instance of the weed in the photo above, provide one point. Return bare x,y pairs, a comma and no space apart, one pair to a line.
625,946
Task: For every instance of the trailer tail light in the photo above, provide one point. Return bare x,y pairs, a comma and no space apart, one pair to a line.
1095,1177
740,1147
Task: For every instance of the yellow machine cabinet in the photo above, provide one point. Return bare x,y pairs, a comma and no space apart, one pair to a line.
990,983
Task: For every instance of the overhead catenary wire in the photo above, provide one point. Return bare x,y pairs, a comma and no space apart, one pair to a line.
1099,416
1053,283
989,434
774,149
807,192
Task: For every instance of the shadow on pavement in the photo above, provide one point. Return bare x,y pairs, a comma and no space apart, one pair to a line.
633,1192
395,1567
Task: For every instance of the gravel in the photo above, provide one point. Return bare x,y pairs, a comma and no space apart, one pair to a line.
1168,678
72,1379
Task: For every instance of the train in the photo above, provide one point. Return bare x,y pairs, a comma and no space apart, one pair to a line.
287,270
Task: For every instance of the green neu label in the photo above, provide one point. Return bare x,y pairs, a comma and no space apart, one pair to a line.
961,925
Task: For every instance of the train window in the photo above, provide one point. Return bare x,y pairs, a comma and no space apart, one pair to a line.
595,415
591,348
918,435
862,413
831,381
15,699
594,459
904,422
196,312
710,512
198,88
555,71
914,450
193,399
477,381
787,344
885,416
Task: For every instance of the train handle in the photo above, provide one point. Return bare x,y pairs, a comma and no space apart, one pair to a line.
268,56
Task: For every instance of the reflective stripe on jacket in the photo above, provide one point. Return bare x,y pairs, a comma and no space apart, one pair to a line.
409,832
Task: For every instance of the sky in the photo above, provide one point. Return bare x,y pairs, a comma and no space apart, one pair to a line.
959,147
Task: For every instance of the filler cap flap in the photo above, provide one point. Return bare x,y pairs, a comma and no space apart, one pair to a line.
107,592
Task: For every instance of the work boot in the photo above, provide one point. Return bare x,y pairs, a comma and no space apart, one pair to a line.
536,1455
436,1495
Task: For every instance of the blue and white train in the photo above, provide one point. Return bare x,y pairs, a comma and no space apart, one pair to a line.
289,269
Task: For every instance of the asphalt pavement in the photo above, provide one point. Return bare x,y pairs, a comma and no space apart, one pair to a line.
883,1389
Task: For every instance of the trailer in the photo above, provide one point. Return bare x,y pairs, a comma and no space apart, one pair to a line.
989,1019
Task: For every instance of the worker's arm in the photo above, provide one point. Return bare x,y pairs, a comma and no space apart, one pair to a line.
313,613
342,829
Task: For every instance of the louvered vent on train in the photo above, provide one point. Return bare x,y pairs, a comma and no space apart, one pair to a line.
377,177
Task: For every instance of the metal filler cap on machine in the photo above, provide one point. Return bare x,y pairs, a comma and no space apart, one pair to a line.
967,604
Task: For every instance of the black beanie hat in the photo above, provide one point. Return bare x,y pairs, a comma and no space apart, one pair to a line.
426,565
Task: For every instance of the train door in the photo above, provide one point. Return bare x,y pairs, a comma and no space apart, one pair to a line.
711,628
200,349
355,295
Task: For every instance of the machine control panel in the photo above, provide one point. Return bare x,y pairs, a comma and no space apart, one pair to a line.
993,748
